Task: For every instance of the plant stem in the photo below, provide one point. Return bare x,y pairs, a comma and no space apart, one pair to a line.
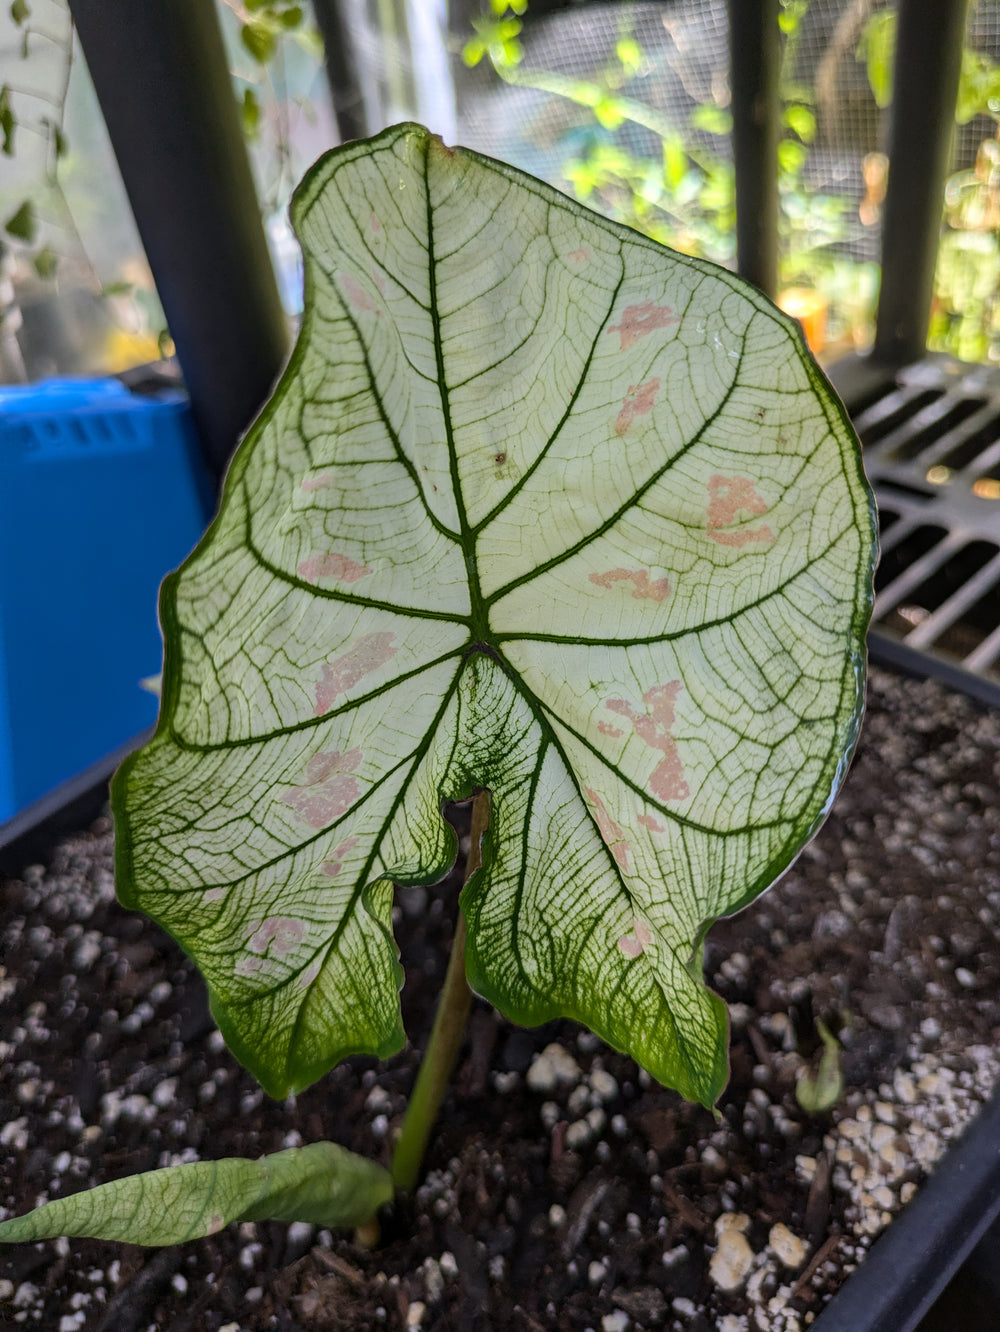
446,1035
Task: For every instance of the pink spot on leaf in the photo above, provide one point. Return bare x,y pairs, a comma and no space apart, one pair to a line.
640,320
638,401
341,675
331,566
376,225
246,966
748,536
328,791
632,945
606,728
215,1224
320,482
215,894
308,976
579,256
732,499
609,829
644,587
334,866
356,294
653,728
652,823
284,932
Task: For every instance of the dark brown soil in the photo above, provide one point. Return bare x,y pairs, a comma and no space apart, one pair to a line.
886,929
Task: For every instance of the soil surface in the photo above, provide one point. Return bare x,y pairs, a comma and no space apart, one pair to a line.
564,1190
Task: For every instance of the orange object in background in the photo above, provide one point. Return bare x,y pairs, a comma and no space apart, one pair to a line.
809,308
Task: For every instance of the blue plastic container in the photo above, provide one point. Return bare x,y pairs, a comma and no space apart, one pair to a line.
102,492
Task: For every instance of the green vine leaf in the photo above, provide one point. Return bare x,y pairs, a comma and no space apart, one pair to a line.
60,144
496,39
290,17
46,262
877,48
323,1184
802,120
21,223
713,119
250,114
259,39
8,122
540,507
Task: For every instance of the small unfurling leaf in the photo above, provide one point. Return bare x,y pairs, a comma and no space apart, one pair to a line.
818,1094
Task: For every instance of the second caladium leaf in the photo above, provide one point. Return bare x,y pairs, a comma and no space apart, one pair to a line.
537,506
322,1184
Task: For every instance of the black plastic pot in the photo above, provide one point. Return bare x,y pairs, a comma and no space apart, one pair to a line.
945,1227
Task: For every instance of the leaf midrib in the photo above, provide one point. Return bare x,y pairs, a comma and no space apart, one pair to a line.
478,616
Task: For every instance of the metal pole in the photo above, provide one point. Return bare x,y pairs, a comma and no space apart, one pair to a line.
163,83
754,72
928,62
341,71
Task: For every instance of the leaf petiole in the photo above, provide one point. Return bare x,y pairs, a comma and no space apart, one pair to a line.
446,1034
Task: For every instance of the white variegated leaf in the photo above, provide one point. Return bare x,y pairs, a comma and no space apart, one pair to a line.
537,506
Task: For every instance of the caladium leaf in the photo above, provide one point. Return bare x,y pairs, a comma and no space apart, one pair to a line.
540,507
323,1184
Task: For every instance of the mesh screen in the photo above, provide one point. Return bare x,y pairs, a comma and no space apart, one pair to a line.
832,184
625,106
965,317
982,33
829,239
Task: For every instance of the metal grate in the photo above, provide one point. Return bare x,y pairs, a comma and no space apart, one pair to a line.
931,438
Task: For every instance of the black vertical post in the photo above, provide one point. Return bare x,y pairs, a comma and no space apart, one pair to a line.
162,79
341,71
928,62
754,74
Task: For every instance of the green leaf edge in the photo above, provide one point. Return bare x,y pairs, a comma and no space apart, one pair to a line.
705,1091
837,766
